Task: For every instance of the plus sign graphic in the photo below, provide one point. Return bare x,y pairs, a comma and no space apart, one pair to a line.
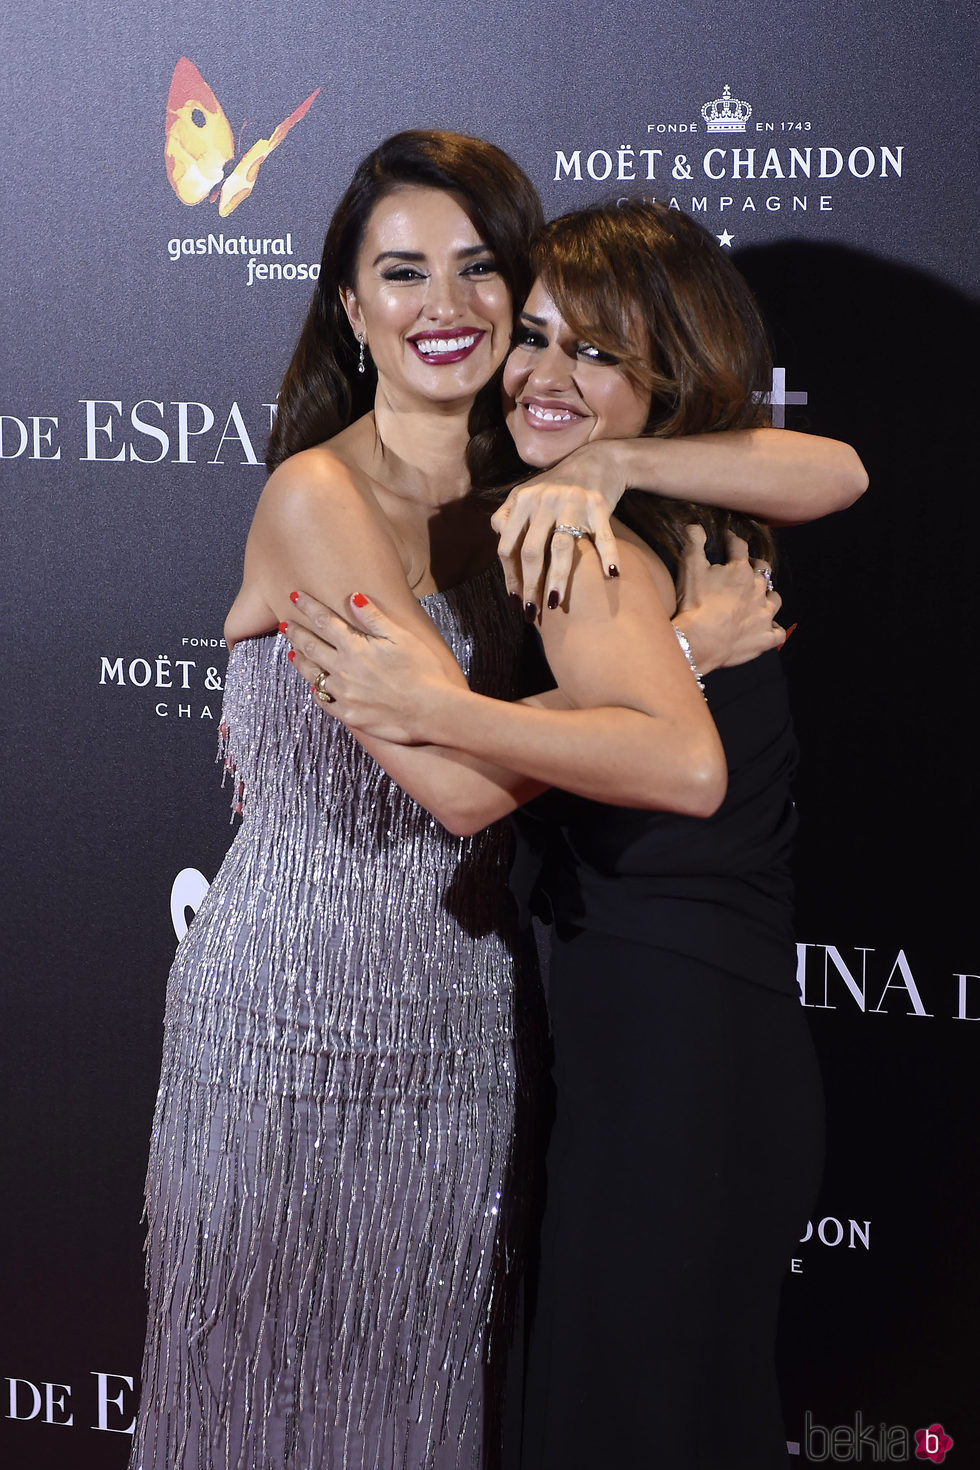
779,398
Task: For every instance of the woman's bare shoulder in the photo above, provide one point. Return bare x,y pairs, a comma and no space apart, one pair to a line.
638,556
301,481
628,537
317,494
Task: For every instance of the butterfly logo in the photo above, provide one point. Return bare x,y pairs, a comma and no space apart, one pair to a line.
203,161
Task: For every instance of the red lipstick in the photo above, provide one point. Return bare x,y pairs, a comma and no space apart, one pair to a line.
444,347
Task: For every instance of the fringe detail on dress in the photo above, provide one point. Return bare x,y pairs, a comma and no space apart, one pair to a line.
336,1193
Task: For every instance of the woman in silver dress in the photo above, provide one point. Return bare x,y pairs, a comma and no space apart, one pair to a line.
333,1194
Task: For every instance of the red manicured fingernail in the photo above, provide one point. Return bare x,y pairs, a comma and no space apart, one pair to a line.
359,600
553,599
291,655
283,627
613,569
294,597
791,629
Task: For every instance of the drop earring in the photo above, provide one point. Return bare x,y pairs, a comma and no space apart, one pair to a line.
360,360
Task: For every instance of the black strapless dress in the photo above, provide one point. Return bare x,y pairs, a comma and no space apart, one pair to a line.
687,1142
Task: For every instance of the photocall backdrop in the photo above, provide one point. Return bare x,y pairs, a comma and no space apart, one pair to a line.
144,339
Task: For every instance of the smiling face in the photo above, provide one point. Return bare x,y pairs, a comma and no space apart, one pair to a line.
560,391
434,310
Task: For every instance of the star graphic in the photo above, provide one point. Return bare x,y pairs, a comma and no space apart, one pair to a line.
725,238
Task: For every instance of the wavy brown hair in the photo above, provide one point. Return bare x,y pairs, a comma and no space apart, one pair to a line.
648,285
322,392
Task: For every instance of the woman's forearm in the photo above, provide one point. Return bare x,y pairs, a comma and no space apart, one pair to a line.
773,475
618,755
462,791
776,475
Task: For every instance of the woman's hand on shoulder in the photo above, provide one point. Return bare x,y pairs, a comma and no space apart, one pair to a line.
538,559
372,672
728,609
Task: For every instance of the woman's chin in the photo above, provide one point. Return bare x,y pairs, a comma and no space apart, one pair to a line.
540,461
541,451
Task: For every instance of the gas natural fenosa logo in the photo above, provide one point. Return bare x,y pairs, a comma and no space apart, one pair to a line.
201,153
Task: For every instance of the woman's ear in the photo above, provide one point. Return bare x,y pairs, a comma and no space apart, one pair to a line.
349,302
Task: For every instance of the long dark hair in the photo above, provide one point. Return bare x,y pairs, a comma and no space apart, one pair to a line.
322,392
650,286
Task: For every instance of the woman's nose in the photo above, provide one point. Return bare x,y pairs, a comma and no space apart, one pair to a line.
445,298
551,369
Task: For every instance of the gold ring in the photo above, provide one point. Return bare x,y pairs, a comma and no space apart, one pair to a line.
320,689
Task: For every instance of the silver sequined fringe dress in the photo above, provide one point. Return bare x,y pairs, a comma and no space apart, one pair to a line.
335,1183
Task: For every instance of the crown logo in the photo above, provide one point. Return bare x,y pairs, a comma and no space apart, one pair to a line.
726,114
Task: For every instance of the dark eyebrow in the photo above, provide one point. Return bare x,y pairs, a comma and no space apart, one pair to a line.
416,255
398,255
538,321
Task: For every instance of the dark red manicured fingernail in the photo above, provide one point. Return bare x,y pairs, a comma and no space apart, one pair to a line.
613,569
291,654
283,627
530,612
294,597
515,600
553,599
359,600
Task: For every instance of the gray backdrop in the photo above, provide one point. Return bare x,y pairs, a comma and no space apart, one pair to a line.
144,339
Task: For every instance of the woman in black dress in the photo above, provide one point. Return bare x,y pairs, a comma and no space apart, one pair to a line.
687,1141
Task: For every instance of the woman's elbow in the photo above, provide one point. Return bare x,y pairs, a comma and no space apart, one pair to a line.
464,819
697,789
709,793
705,785
853,478
459,824
841,480
703,779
